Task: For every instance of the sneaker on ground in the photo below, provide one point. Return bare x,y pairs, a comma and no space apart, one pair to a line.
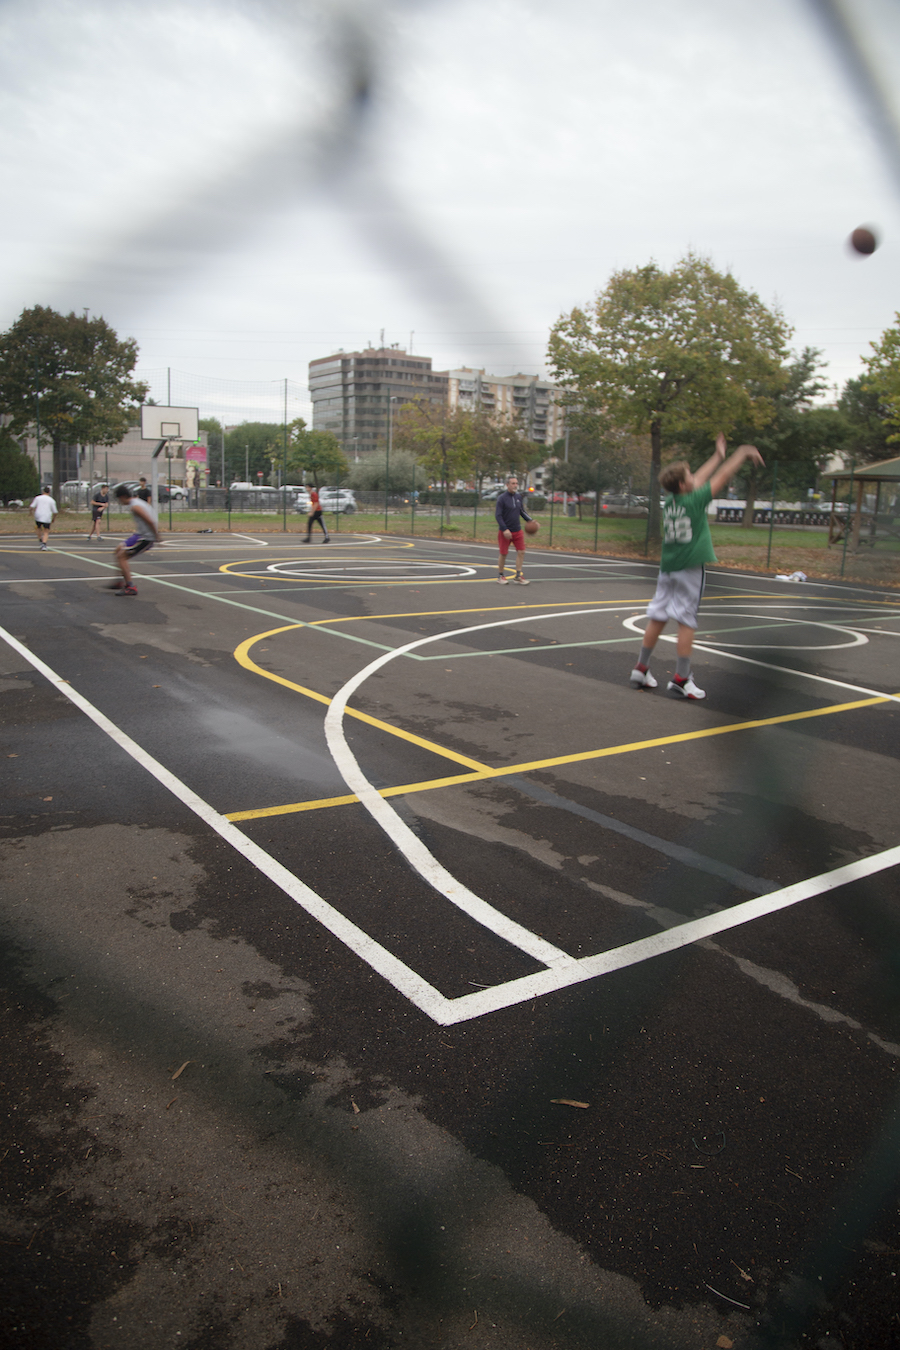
504,581
686,688
126,590
642,679
520,580
327,539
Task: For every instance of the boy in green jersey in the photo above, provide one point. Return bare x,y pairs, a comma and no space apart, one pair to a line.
687,548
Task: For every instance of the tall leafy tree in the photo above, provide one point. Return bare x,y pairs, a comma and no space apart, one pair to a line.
871,428
249,448
800,436
70,376
315,452
667,353
18,472
883,376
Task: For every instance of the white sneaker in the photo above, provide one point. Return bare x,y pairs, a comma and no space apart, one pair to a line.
504,581
686,688
642,679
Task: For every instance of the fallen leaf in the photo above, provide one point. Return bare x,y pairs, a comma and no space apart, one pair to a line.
48,799
179,1072
355,1107
724,1343
12,756
566,1101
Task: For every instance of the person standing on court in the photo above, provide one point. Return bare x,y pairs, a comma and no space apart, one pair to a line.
99,503
143,491
510,513
146,534
686,549
315,514
45,511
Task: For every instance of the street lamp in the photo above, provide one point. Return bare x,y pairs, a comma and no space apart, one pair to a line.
392,398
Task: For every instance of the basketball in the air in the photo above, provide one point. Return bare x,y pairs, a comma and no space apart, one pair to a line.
531,527
863,240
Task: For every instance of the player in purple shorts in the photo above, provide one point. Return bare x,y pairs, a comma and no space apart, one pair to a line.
146,534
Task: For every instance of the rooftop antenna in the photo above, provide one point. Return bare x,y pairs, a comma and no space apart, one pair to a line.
411,335
382,338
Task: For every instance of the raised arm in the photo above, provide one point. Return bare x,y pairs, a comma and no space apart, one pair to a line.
715,459
726,471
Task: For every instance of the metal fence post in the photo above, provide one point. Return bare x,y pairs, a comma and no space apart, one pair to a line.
772,520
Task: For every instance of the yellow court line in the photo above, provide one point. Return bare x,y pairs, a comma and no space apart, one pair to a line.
241,655
579,757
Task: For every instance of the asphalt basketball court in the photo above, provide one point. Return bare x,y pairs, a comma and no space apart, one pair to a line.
455,793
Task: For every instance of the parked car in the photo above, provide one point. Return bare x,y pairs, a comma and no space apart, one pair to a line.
340,500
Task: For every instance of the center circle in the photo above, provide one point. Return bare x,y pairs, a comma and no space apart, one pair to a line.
404,569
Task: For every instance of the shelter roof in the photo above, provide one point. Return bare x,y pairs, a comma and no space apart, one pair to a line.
886,471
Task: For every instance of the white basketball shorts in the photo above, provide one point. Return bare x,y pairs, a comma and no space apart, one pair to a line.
678,596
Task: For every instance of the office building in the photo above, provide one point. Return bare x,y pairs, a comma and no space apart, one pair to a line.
353,392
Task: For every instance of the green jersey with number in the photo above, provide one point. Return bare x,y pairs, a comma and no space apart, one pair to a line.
687,541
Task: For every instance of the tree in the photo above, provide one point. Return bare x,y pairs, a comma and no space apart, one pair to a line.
315,452
593,463
249,448
669,353
455,443
800,436
883,378
373,473
869,418
68,379
18,471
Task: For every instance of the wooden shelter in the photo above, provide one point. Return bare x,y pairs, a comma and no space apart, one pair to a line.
885,479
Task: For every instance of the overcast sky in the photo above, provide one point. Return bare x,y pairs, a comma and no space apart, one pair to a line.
244,187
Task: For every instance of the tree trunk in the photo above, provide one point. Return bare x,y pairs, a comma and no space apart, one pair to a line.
653,534
750,507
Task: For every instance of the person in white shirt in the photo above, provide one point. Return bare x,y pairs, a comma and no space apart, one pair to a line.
45,511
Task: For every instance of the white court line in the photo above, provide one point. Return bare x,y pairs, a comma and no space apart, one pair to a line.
444,1011
671,939
411,985
700,645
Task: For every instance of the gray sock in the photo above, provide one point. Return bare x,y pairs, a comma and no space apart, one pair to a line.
682,667
644,658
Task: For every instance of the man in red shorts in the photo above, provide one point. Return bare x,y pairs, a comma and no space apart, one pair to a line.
510,513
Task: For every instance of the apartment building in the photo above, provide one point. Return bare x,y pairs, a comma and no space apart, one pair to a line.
526,398
352,393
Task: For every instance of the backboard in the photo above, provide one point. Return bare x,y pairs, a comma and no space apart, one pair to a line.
159,423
